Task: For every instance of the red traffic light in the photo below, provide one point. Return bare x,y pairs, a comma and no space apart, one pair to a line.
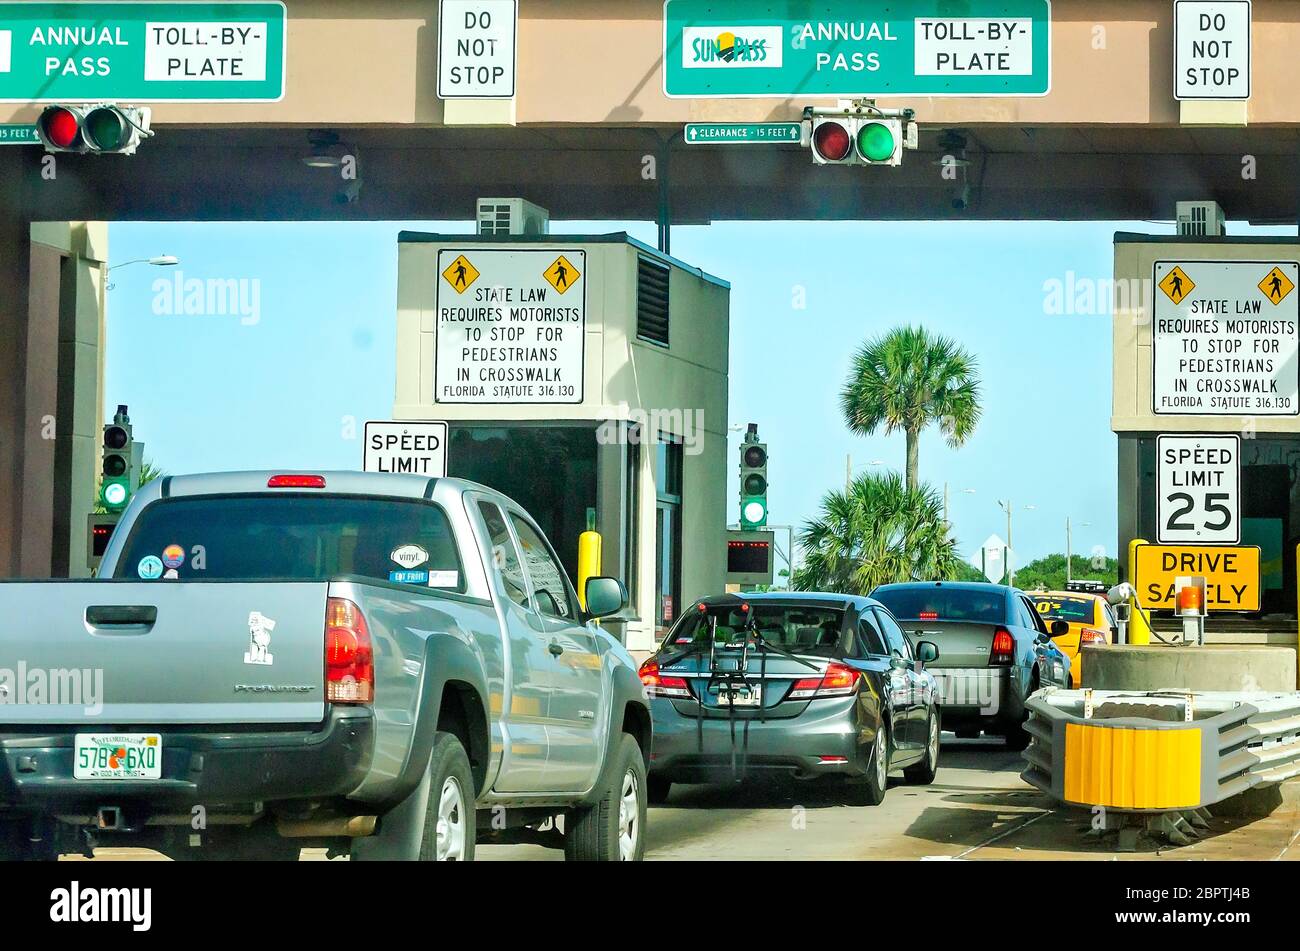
832,141
60,127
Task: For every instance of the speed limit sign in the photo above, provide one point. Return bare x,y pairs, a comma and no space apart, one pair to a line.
1199,483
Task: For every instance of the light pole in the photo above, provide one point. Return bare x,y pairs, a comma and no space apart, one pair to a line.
945,502
158,260
848,468
1008,508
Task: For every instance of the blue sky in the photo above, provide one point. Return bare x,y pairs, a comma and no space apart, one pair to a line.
217,392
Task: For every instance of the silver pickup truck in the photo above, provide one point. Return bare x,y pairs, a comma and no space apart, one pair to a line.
387,666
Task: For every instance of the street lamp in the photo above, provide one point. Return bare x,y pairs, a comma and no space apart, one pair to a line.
158,260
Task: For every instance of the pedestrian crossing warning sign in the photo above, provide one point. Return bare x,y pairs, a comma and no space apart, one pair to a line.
1276,285
1177,285
562,275
460,274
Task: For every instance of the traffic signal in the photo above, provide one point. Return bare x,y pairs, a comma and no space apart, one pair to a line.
850,139
753,480
104,129
119,474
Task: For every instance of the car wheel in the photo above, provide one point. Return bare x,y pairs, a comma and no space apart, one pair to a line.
613,829
657,789
922,773
871,790
436,822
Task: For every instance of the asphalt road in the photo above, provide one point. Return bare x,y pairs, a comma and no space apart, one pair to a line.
978,808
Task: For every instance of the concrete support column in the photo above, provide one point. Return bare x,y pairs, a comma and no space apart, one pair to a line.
14,264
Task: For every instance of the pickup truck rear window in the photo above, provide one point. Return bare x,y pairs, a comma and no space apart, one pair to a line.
303,537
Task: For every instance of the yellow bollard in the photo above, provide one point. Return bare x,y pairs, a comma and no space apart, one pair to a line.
588,563
1139,632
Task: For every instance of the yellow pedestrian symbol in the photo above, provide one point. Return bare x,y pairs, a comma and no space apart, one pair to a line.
460,274
561,275
1276,285
1177,285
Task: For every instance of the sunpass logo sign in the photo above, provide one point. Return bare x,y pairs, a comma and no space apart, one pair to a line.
722,47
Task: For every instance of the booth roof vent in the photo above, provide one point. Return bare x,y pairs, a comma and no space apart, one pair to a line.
652,300
511,216
1202,219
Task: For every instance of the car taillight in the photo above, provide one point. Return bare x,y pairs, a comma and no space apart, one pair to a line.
1091,635
349,659
928,615
839,680
1004,646
657,685
296,482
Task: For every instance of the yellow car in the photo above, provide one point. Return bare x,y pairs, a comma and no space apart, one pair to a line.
1089,616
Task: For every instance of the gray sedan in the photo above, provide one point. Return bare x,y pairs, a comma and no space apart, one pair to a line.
807,685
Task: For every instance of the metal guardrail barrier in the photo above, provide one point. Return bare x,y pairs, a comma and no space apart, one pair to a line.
1157,759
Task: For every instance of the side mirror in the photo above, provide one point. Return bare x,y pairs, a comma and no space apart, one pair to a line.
604,596
1059,628
926,652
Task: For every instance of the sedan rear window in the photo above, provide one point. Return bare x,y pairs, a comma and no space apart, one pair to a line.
798,628
931,603
293,536
1064,609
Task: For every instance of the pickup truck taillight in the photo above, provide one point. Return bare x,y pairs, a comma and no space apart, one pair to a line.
349,660
839,680
1004,648
657,685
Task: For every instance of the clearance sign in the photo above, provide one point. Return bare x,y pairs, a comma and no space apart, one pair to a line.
1232,577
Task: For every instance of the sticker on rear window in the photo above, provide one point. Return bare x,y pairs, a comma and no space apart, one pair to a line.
409,577
173,556
409,556
444,579
149,567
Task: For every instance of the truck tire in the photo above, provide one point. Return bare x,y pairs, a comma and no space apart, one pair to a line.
16,844
436,822
613,829
657,790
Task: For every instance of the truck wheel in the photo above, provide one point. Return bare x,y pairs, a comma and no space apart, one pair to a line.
16,844
657,789
922,773
613,829
436,822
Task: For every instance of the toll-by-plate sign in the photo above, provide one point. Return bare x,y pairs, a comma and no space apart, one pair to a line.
510,325
477,48
1224,338
1199,486
1211,49
419,448
1232,575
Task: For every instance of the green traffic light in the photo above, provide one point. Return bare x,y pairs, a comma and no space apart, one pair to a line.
105,129
876,142
114,494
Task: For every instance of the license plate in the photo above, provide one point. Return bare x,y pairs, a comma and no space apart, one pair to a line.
740,697
117,756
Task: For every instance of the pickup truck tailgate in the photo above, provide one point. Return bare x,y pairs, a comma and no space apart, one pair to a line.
158,652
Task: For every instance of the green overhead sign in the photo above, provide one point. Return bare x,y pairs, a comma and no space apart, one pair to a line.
142,52
740,133
851,48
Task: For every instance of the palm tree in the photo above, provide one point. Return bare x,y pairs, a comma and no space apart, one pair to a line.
876,531
907,380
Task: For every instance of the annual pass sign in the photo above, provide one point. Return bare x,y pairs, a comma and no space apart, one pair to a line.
745,48
142,52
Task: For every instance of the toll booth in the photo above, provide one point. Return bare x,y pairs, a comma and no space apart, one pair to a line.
1207,414
585,377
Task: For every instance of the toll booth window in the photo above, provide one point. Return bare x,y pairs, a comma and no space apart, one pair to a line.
302,537
668,529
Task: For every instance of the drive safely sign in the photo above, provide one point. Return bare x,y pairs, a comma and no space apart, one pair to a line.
1232,575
